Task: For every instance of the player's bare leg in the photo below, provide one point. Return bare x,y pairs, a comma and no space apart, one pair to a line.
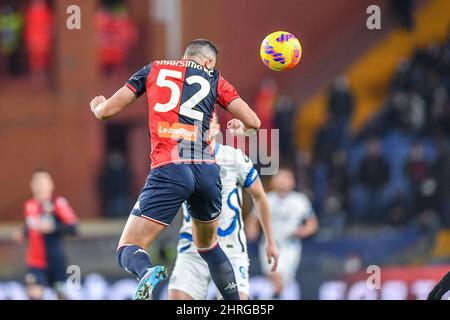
137,236
35,291
140,231
277,281
220,268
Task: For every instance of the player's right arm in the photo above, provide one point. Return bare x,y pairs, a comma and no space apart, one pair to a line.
104,108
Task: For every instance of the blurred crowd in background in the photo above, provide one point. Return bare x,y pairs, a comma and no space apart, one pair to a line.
381,193
395,171
27,37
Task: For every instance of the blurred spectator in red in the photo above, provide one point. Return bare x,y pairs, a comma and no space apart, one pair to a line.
265,101
117,35
39,37
11,26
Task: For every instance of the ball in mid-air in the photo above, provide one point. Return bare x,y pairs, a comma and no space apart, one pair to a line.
281,51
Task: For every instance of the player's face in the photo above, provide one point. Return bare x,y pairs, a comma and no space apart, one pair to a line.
42,185
283,181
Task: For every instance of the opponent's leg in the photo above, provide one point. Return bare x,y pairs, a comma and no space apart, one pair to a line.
205,239
277,281
190,277
175,294
138,234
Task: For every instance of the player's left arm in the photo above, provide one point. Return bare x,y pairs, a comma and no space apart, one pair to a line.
104,108
256,190
135,87
66,222
246,121
308,228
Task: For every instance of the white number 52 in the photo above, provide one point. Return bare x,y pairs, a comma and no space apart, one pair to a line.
187,108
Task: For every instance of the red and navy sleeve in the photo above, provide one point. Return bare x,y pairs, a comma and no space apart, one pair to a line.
226,93
137,82
67,221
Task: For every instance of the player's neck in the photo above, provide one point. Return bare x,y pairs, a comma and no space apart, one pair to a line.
42,198
283,193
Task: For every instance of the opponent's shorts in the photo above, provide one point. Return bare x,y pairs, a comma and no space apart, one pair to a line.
167,187
288,262
54,277
191,275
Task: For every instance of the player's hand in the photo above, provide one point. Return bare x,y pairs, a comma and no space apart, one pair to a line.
236,127
272,255
96,102
45,226
17,235
301,234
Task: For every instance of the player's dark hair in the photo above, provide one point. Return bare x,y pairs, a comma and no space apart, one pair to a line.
193,48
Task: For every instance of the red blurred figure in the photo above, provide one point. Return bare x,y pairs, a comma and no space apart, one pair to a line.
264,104
117,34
39,36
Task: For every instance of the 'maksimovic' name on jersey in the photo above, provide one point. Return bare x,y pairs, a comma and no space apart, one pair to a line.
236,171
185,64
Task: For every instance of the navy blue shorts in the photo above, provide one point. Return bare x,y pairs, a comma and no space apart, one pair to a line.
45,276
167,187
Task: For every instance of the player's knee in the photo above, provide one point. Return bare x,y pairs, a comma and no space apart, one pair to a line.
205,234
35,291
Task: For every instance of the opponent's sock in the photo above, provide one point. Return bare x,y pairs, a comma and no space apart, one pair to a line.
134,259
221,271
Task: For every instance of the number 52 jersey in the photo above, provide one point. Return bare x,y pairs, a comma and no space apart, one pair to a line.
181,96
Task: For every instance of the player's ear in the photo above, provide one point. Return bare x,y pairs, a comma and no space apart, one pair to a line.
210,63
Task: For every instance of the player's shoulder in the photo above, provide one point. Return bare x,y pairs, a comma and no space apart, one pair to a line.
297,194
30,205
61,201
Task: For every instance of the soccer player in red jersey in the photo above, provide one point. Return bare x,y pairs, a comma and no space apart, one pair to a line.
181,95
47,219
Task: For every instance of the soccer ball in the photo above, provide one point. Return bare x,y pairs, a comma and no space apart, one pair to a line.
281,51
